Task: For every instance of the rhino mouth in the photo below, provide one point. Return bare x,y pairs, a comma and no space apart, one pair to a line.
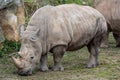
25,73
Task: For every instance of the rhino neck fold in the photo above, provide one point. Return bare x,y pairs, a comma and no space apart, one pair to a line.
42,23
44,36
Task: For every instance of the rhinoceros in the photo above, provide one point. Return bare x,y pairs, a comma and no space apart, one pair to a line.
58,29
111,11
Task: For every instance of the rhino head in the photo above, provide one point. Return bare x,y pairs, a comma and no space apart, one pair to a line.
30,53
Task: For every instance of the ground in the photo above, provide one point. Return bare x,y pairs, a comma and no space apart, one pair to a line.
74,64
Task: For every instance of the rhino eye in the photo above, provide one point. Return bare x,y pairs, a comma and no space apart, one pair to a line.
31,57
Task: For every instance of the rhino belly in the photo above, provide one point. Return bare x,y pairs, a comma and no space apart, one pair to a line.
78,44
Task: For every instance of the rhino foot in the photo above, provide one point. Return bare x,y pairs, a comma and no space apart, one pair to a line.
92,65
104,46
58,68
44,68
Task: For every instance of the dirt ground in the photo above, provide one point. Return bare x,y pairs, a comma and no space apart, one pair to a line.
75,66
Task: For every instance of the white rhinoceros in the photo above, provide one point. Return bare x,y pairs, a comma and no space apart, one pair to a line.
58,29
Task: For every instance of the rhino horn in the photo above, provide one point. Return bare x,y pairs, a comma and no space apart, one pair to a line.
17,62
20,54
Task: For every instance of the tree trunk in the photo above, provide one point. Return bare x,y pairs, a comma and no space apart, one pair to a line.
10,19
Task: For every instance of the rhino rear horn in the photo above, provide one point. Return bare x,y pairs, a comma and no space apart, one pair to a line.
21,54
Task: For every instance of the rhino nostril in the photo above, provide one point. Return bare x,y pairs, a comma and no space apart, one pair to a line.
29,72
25,73
21,73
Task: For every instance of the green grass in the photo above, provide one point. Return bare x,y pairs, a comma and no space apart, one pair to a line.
74,64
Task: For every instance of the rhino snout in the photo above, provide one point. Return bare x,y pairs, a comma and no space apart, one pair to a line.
25,73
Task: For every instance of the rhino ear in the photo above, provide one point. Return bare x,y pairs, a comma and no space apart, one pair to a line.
35,36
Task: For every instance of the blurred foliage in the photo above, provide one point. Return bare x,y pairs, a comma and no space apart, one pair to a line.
82,2
27,20
30,7
28,0
9,47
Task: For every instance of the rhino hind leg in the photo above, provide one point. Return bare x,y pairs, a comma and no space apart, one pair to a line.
43,66
58,53
93,49
105,43
117,38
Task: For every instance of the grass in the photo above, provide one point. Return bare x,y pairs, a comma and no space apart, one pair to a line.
74,64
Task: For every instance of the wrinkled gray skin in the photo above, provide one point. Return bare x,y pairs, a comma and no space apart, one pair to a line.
110,10
67,27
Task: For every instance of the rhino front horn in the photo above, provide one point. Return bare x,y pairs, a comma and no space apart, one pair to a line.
17,62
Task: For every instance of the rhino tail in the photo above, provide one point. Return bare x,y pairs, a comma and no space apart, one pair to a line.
102,25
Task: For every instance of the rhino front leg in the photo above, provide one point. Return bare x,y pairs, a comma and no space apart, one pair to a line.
93,58
43,66
58,53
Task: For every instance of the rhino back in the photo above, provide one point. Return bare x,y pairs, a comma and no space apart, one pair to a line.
73,25
111,10
69,25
